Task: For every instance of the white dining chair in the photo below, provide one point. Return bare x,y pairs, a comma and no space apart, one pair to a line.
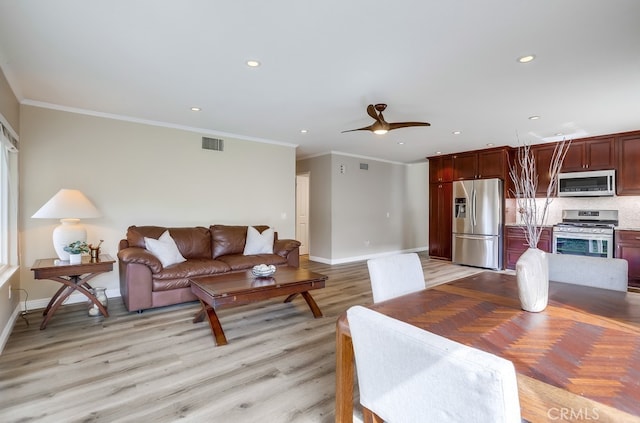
406,374
607,273
395,275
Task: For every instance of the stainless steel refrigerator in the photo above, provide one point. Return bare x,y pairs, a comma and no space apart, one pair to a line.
477,223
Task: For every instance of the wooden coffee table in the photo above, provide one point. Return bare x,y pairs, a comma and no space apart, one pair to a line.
243,287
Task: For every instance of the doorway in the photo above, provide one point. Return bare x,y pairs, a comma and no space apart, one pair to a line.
302,212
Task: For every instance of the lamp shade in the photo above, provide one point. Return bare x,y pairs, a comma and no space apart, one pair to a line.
68,205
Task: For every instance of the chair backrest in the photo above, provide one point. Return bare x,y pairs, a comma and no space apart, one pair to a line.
607,273
406,374
392,276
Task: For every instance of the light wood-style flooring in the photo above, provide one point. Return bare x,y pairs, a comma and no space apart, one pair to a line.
158,366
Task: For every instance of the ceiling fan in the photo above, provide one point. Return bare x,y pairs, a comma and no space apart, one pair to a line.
380,126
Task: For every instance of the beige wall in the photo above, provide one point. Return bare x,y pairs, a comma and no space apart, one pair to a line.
357,214
138,174
319,170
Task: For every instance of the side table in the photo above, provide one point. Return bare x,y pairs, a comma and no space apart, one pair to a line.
73,277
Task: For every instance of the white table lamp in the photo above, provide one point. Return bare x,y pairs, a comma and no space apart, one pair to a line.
68,205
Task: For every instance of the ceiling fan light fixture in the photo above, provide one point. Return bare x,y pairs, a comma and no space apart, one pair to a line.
380,131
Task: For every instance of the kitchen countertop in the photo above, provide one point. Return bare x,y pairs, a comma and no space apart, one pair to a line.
520,225
617,228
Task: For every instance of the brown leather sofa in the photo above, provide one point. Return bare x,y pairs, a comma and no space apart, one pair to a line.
144,283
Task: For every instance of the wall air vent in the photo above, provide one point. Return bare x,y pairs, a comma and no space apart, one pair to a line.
364,166
212,144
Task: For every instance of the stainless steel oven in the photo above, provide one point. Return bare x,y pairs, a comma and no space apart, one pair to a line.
585,233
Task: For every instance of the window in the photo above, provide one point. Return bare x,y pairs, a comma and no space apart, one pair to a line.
8,197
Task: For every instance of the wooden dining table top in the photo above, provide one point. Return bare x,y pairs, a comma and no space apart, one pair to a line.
577,360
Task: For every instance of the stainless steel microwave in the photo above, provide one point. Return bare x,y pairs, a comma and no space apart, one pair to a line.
596,183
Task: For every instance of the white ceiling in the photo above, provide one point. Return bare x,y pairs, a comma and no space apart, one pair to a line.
451,63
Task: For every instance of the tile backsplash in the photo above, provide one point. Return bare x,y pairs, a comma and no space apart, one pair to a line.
628,209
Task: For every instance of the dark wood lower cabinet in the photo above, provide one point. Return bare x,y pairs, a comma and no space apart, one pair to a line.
515,244
628,247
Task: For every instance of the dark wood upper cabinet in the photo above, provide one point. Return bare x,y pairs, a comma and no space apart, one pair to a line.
493,164
590,154
440,169
628,165
542,155
465,166
482,164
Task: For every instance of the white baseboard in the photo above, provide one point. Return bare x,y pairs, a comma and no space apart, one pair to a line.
6,332
365,257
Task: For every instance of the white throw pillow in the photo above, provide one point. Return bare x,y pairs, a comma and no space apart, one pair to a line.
165,249
258,243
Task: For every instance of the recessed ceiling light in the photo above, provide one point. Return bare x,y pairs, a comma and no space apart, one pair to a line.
558,134
195,109
438,152
526,59
303,131
534,117
456,132
490,144
400,143
253,63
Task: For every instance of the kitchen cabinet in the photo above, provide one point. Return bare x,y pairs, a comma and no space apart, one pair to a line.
481,164
628,247
440,219
542,155
440,169
515,244
590,154
628,175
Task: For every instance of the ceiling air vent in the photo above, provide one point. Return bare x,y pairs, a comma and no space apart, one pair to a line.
212,144
364,166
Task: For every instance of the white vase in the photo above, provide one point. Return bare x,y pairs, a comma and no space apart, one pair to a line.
532,274
75,258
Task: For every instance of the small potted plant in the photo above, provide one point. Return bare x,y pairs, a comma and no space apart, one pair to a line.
75,250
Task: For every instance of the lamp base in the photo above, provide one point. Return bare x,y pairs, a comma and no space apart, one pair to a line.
69,231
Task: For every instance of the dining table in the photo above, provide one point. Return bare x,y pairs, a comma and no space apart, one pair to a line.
577,360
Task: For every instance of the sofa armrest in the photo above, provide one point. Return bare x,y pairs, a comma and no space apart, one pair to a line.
123,244
136,286
288,248
140,256
283,247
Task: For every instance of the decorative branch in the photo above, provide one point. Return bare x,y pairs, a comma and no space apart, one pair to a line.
524,175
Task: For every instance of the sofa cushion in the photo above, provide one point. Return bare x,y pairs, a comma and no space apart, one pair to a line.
165,249
258,243
192,268
228,239
192,242
240,261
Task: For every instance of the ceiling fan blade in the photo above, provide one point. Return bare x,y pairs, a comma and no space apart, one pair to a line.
397,125
371,111
366,128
